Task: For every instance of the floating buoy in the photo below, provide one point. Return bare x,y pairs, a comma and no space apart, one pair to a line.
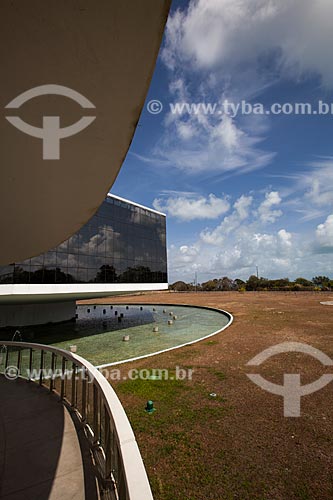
115,313
111,307
154,309
126,338
155,329
126,307
164,311
170,313
141,308
150,407
73,348
174,316
170,322
121,315
94,307
88,311
104,311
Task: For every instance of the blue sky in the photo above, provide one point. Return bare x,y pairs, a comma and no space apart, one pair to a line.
249,190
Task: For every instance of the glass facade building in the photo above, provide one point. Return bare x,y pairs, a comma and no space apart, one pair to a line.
121,243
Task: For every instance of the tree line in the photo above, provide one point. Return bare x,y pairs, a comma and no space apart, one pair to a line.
254,283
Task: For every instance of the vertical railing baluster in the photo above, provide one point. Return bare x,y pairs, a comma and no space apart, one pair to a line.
30,364
63,369
41,367
73,401
95,415
7,355
107,444
52,372
84,394
19,353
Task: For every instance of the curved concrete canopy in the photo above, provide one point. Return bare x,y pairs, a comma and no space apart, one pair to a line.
74,80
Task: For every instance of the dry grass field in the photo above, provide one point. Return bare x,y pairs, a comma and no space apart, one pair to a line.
237,445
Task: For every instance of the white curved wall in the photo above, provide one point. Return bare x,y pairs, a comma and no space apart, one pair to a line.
104,50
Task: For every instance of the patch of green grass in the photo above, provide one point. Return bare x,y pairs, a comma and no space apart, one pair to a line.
154,389
218,373
303,493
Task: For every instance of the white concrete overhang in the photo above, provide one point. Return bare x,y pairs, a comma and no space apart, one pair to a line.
33,294
106,52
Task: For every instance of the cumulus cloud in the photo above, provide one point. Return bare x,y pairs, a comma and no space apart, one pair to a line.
324,233
294,35
243,240
229,223
187,208
265,211
276,253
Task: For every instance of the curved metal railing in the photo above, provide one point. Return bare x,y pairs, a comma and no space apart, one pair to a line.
81,386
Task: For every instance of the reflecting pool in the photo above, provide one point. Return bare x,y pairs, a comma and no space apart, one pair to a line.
99,330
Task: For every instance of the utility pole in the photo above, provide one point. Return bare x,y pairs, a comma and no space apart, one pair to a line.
257,272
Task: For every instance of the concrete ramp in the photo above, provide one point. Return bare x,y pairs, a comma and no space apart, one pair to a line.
41,453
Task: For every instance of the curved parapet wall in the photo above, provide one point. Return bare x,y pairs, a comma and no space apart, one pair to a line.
76,77
118,460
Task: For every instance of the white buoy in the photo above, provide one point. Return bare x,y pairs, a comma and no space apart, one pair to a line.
174,316
170,322
170,313
126,338
73,348
164,310
155,329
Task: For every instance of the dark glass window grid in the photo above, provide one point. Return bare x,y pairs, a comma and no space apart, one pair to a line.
121,243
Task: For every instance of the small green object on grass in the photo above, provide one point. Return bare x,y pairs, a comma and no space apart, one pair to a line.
150,407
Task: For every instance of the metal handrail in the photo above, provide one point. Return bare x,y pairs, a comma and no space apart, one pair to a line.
79,384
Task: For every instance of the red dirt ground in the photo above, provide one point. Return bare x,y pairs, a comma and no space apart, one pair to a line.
238,445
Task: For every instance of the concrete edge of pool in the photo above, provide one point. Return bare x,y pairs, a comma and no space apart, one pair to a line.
136,358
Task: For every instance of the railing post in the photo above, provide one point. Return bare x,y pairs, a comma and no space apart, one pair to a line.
108,456
63,369
95,413
19,353
73,402
30,364
6,359
52,371
84,394
41,367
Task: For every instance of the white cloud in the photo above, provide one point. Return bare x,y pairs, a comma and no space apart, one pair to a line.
324,233
276,253
265,211
241,241
295,34
190,208
229,223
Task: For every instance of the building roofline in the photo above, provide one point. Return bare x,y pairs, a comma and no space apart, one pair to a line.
111,195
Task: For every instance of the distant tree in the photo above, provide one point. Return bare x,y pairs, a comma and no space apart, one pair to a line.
226,284
180,286
106,274
252,283
303,282
321,281
209,286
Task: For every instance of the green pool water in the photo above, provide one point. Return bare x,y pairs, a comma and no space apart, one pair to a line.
98,333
